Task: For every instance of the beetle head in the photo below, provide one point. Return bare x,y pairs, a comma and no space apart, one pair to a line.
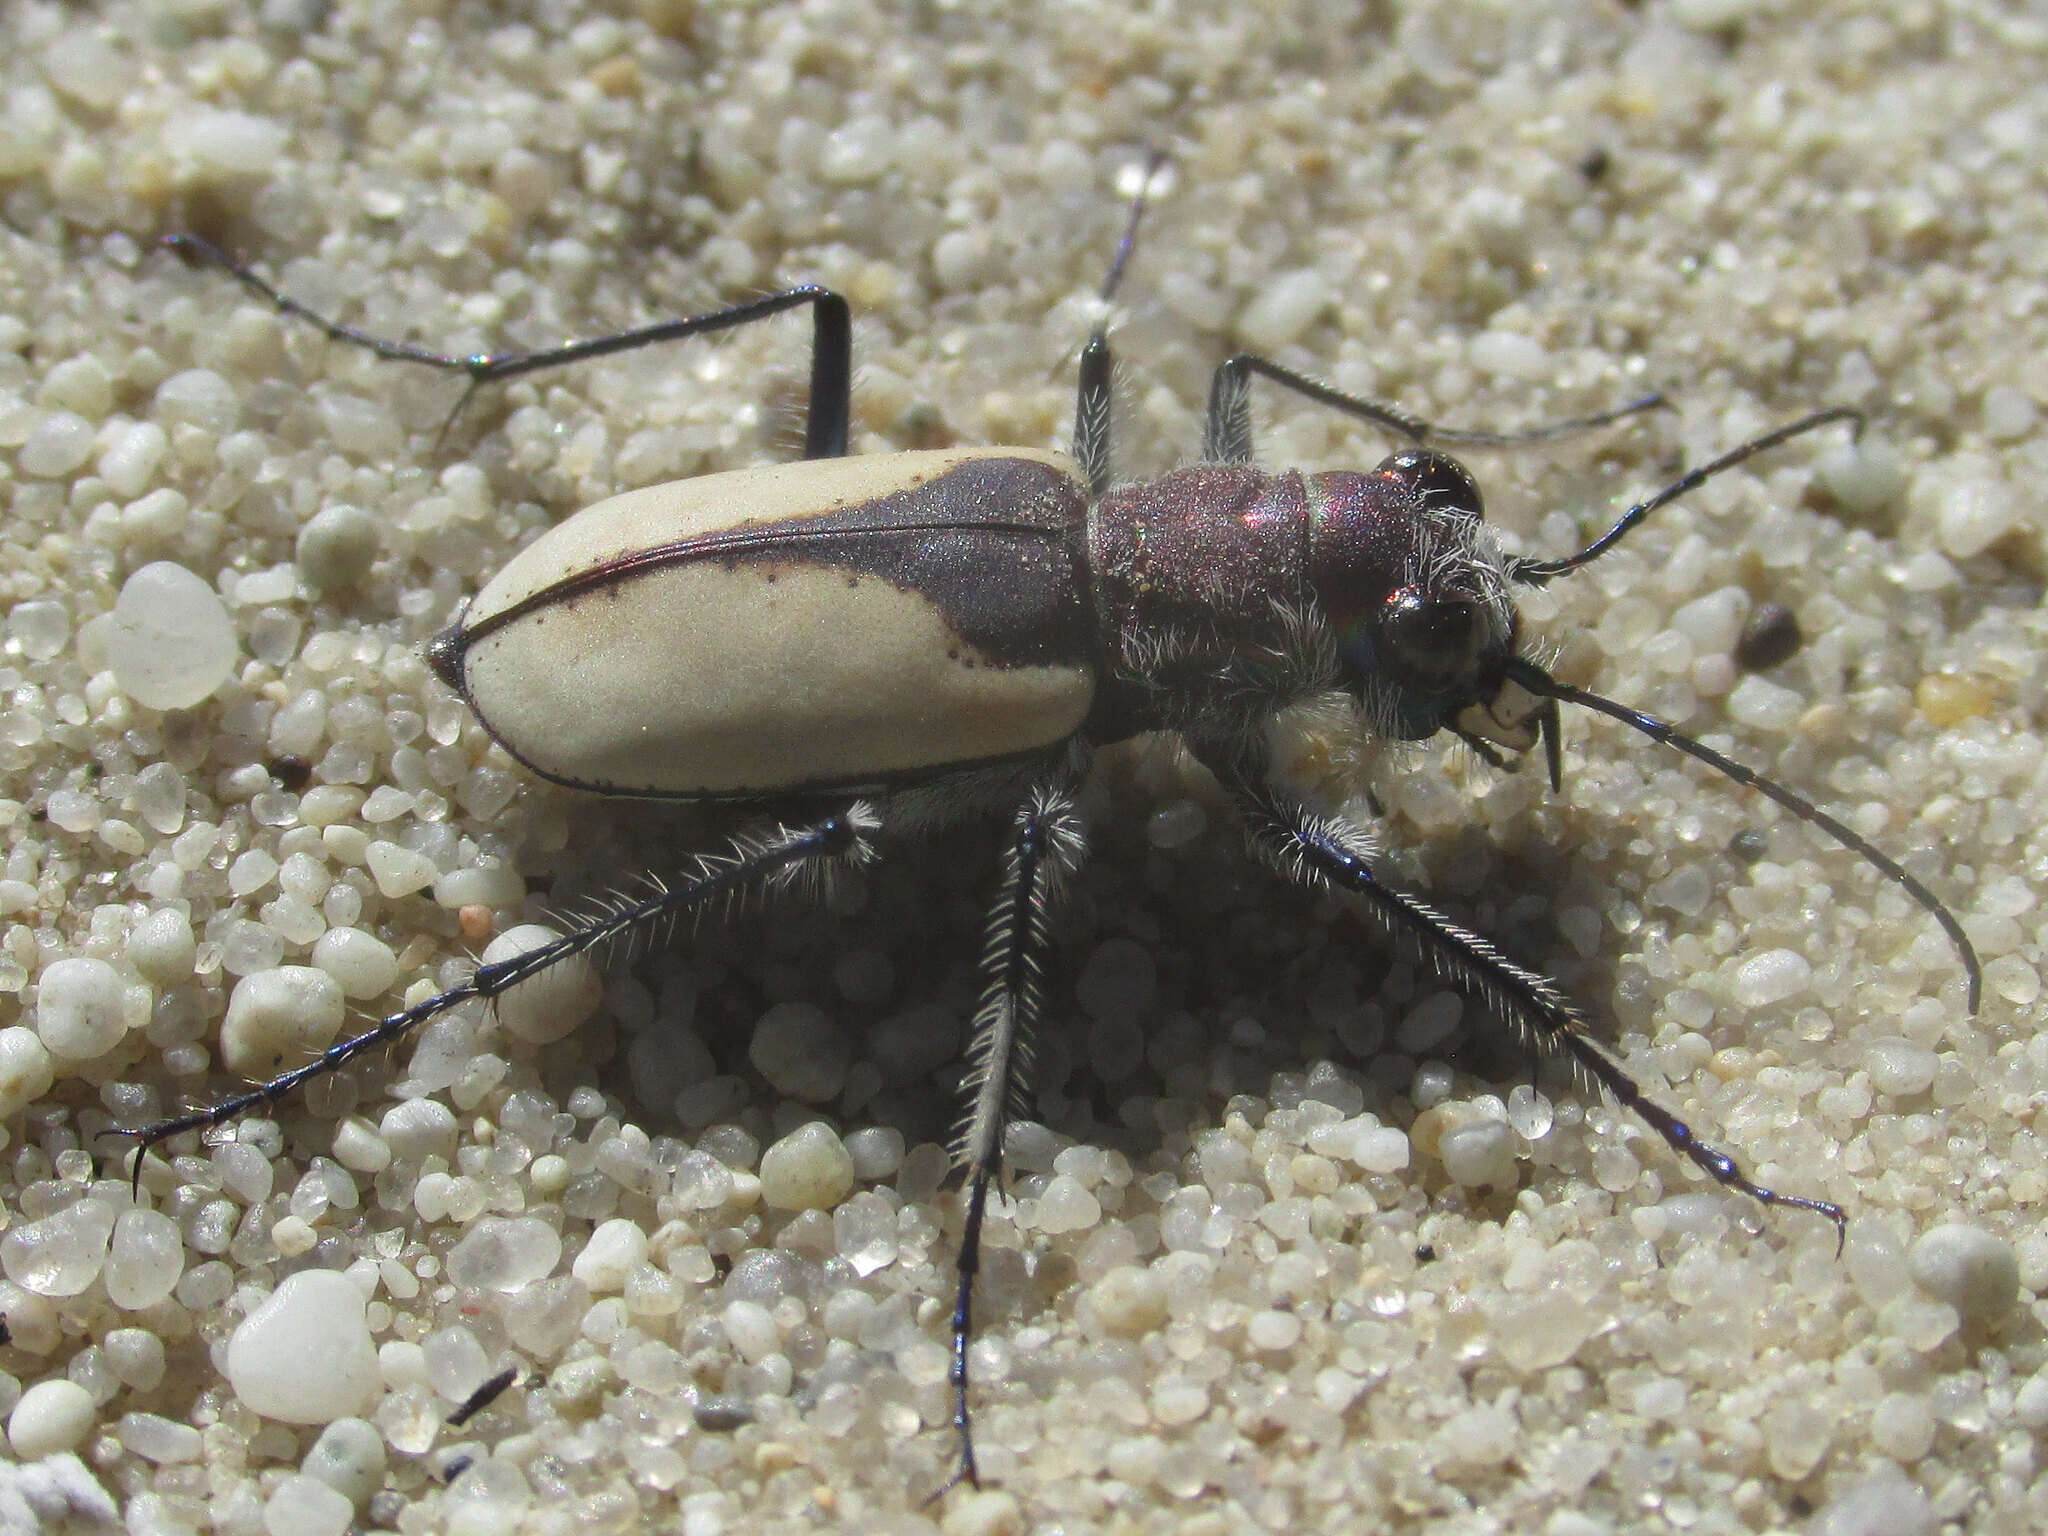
1416,592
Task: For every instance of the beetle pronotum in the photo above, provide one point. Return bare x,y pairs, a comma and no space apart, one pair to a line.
935,635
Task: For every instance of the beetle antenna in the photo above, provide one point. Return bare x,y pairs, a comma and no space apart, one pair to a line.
1541,683
1536,573
1154,159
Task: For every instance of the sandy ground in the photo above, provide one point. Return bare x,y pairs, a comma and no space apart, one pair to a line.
1495,215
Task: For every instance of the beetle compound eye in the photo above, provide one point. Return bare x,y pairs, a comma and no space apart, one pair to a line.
1433,643
1437,480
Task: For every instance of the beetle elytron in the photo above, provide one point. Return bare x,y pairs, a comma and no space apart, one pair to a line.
907,639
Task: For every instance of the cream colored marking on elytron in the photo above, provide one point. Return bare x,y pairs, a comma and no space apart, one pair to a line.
644,685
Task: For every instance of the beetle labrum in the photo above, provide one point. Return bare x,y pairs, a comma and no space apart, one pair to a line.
943,634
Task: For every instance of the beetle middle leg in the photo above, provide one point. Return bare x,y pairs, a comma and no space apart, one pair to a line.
781,857
1046,846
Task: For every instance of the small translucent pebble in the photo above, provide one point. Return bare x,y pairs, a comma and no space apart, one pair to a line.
305,1355
51,1416
363,964
305,1506
79,1008
171,643
1771,977
1479,1153
1899,1067
800,1051
156,1438
25,1070
145,1259
984,1512
61,1254
545,1007
808,1170
349,1458
1974,1271
280,1017
614,1251
505,1254
1067,1206
162,946
336,548
1130,1300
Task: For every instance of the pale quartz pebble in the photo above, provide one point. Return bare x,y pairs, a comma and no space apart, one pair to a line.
144,1260
398,870
305,1356
158,1439
1480,1154
552,1004
504,1253
615,1249
359,1148
136,1356
80,1009
1510,355
1383,1149
50,1417
305,1506
362,964
1899,1067
162,946
130,457
419,1129
349,1457
1763,705
1974,1271
985,1512
1534,1333
218,144
80,384
1283,307
1771,977
61,1254
1130,1299
57,444
802,1053
808,1170
171,644
2008,413
876,1150
25,1070
751,1328
1901,1427
336,547
280,1017
1880,1502
1065,1205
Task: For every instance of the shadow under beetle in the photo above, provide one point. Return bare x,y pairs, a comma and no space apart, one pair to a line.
904,640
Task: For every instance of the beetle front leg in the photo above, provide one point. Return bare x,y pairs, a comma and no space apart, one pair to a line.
1330,852
775,860
1046,846
1227,430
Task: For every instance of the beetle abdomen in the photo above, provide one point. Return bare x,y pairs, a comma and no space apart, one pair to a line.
791,627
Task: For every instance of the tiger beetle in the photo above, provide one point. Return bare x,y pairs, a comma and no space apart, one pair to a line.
893,643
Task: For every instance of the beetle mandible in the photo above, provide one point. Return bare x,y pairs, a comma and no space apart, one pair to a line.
930,636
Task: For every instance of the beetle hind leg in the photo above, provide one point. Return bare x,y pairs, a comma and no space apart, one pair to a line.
1046,846
830,408
784,857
